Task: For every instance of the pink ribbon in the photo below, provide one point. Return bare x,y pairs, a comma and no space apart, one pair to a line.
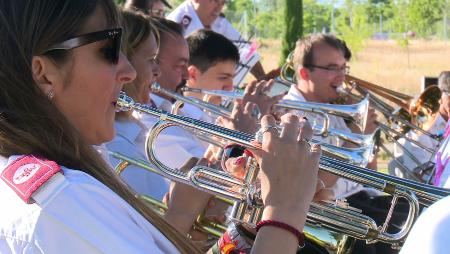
440,166
447,129
253,47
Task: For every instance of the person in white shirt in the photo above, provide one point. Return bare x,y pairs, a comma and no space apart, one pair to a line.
212,64
320,64
207,14
60,75
142,50
436,126
431,231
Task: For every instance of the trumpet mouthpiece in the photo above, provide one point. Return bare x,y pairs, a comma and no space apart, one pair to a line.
124,102
155,87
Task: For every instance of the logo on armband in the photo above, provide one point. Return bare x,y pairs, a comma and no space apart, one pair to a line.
27,173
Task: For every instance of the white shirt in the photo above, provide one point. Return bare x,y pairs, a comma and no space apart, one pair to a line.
418,152
431,232
343,187
74,213
186,15
130,141
444,150
175,145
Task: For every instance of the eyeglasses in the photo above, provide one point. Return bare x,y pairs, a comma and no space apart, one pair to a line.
111,53
336,69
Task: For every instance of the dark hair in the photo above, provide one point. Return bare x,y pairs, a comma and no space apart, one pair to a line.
144,5
207,48
29,122
444,81
347,51
304,49
167,28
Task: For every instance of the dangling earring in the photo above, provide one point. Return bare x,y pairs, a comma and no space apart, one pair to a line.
50,94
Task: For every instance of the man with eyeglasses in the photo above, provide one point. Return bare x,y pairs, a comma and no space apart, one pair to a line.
154,8
207,14
320,64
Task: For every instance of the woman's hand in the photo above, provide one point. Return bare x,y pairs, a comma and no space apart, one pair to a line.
289,166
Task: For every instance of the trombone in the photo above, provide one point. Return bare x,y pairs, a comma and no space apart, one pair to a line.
247,197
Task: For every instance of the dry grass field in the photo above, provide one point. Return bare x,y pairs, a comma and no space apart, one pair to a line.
385,62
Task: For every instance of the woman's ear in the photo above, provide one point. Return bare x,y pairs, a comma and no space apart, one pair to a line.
45,74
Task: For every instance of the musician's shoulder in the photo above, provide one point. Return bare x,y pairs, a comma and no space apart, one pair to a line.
28,175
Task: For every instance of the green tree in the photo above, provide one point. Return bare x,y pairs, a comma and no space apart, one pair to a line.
293,26
423,16
352,24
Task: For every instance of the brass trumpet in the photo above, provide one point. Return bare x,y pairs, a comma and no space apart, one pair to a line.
247,197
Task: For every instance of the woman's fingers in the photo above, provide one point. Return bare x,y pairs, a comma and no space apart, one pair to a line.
236,166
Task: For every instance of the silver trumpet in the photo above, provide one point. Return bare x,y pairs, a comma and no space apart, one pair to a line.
357,111
248,204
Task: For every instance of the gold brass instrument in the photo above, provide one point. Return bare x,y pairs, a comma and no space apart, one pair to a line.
357,111
247,196
413,113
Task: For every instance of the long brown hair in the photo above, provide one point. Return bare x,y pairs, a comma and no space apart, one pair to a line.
29,122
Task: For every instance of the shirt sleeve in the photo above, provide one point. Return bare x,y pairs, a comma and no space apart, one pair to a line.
431,232
87,217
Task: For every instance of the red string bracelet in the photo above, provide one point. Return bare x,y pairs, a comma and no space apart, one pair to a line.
300,236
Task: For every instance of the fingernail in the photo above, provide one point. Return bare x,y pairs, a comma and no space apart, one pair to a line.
248,153
238,161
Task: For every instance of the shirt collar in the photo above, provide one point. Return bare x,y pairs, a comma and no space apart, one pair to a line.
160,102
294,94
129,129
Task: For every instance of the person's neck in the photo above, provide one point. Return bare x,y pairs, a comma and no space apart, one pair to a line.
308,94
205,22
444,114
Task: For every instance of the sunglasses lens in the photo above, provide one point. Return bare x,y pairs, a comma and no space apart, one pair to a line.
115,50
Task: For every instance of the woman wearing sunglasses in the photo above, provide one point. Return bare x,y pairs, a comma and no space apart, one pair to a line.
60,75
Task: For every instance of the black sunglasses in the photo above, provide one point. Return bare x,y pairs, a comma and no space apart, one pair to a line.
112,54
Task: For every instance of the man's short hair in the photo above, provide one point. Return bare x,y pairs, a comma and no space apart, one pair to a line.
207,48
303,53
167,28
444,81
